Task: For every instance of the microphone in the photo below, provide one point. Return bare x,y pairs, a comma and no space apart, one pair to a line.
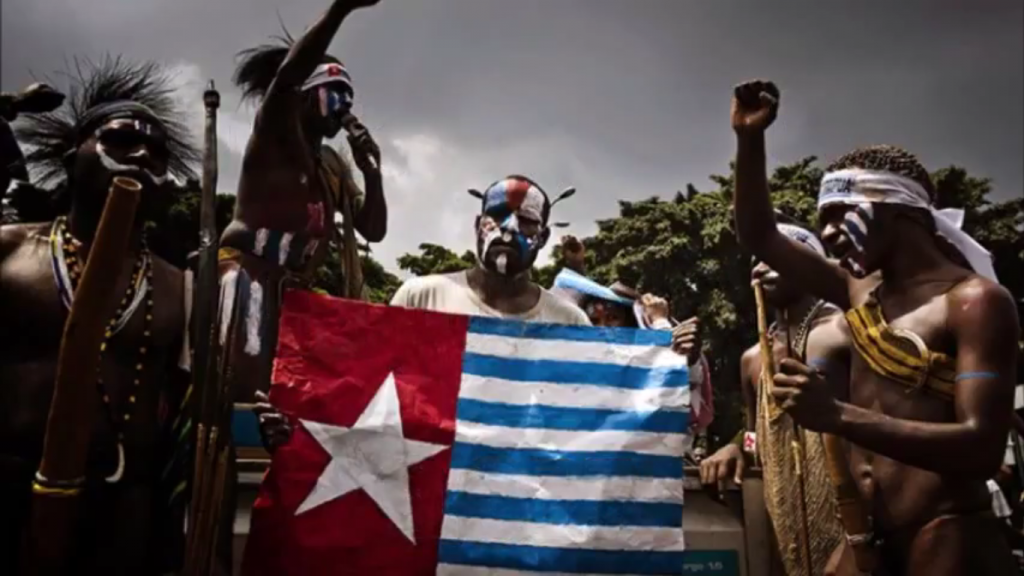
356,130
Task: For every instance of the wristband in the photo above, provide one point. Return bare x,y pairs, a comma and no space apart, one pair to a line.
750,442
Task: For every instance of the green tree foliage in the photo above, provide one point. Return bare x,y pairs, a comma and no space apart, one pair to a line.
434,259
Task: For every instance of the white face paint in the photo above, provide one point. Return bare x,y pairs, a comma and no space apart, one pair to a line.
114,167
501,262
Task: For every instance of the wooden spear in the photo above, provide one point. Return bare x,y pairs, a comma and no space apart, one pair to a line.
61,475
205,355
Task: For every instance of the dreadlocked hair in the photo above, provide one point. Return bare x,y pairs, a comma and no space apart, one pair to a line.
50,137
887,159
257,67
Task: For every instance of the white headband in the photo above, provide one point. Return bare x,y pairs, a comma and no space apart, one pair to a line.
803,236
326,73
857,186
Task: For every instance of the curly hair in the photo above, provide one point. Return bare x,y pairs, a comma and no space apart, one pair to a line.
888,159
50,137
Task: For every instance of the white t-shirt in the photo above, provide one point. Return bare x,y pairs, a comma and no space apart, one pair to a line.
451,293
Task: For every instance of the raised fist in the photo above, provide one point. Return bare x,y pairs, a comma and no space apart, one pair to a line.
754,106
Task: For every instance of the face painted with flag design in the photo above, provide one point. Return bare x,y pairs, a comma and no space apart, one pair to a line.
845,223
513,228
330,89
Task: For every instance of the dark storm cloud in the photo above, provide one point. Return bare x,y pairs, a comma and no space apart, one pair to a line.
623,99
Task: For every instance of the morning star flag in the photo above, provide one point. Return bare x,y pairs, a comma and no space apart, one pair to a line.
429,443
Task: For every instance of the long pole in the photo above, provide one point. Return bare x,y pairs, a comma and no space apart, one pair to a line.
199,548
768,366
61,476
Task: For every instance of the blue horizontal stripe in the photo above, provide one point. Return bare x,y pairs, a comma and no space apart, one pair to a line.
559,418
514,329
575,512
537,462
570,560
564,372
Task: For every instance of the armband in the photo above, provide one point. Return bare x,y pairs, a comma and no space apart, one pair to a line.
977,375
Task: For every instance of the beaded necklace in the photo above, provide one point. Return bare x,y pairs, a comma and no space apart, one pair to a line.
68,270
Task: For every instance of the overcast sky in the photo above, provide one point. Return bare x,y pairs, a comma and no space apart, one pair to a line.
620,98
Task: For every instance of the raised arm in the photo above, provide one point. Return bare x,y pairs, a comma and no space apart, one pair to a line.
754,107
309,50
983,319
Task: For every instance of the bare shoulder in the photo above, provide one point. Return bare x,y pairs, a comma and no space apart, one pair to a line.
170,280
978,304
750,364
15,236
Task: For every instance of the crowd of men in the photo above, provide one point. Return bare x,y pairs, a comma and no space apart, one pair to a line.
891,358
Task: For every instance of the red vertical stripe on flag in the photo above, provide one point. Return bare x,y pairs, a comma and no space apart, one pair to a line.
333,356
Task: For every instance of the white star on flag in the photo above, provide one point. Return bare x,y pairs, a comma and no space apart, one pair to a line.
373,455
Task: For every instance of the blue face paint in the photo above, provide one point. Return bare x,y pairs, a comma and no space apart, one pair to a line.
856,224
333,101
506,204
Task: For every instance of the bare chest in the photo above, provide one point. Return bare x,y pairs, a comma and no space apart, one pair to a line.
134,364
281,188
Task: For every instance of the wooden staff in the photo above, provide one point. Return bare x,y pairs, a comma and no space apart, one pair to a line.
209,414
768,366
61,475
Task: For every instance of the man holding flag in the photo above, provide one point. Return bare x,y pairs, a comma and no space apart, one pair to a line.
433,443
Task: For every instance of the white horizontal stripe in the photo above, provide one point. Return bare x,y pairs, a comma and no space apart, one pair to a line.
456,570
568,488
574,351
563,535
661,444
573,395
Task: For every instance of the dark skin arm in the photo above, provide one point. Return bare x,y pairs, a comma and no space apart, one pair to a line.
754,108
729,460
371,221
983,321
308,52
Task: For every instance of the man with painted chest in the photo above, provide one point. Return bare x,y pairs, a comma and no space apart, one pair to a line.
934,368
